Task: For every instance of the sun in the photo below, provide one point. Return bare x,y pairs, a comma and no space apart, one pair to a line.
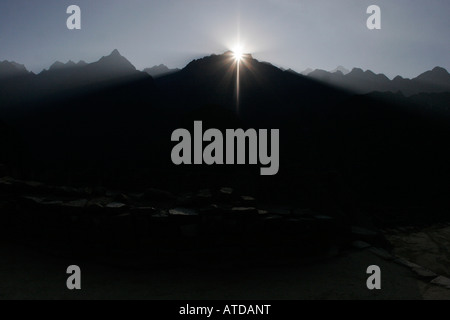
238,53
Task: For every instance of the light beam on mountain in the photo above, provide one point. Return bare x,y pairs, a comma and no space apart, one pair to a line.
237,84
238,55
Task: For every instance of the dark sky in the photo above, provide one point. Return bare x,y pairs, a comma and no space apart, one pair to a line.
288,33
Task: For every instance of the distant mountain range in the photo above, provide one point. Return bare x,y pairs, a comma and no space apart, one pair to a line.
17,85
115,65
108,66
309,70
359,81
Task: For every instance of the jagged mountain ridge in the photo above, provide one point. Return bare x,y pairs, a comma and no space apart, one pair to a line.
362,82
341,69
70,64
69,78
10,69
356,80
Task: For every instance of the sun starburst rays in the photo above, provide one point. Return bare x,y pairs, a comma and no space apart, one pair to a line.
238,53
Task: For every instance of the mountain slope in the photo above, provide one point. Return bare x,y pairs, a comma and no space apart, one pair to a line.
11,69
266,93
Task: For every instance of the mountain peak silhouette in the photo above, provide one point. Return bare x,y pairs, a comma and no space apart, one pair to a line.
356,72
306,71
57,65
115,63
212,80
341,69
11,68
438,75
115,53
160,70
218,61
440,70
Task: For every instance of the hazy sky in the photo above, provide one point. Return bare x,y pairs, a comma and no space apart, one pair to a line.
288,33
